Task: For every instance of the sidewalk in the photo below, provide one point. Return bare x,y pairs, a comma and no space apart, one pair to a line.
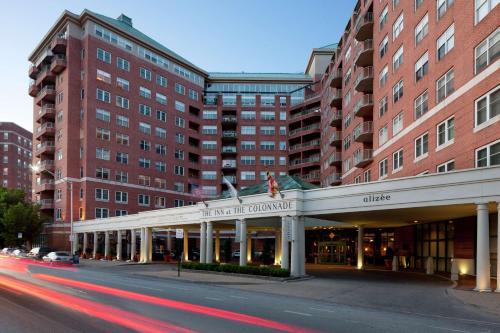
464,291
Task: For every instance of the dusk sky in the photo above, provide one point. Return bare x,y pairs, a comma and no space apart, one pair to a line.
250,36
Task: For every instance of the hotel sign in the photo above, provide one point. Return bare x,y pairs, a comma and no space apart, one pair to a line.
264,207
377,197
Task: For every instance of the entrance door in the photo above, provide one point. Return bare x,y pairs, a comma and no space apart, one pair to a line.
332,252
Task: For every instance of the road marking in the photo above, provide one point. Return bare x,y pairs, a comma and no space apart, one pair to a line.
324,310
449,329
238,297
299,313
213,298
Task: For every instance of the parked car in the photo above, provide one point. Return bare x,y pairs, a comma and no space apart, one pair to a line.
58,256
39,252
19,253
7,250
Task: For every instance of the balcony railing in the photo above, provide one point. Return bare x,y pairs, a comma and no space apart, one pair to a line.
336,120
303,129
311,176
228,149
363,157
231,179
310,159
364,107
45,126
46,203
364,54
335,138
307,144
229,119
336,98
364,26
364,80
305,112
228,164
335,158
363,132
336,78
334,178
229,135
58,63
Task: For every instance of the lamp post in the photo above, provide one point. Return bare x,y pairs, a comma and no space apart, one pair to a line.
37,168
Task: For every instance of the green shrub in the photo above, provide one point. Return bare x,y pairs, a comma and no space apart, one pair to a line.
230,268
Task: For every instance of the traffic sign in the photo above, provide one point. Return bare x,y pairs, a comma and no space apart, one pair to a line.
179,233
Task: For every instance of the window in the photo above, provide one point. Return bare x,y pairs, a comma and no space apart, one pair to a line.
161,133
178,187
122,83
247,175
103,134
282,130
144,92
267,130
209,129
160,202
122,139
123,64
347,120
487,107
397,91
179,170
209,145
145,73
347,76
267,115
367,176
383,46
101,213
122,121
267,160
383,76
103,55
487,51
446,167
178,203
442,7
397,123
282,115
488,155
145,145
101,194
382,135
145,110
121,177
248,115
161,115
160,98
179,106
179,154
180,122
212,115
122,158
103,115
397,27
161,166
144,128
209,160
383,168
209,175
180,89
422,146
347,142
445,86
160,149
267,145
102,173
418,3
446,132
282,145
397,59
193,95
445,42
122,102
161,80
248,145
180,138
397,160
395,3
382,19
144,180
422,66
382,106
421,105
248,130
247,160
121,197
144,163
103,76
121,212
347,54
422,29
482,8
103,96
143,200
102,154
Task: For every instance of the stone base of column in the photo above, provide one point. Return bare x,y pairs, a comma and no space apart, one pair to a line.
484,290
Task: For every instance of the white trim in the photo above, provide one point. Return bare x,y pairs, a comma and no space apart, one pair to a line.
444,103
421,157
488,123
444,145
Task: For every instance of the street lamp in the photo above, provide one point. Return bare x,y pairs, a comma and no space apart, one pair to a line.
37,168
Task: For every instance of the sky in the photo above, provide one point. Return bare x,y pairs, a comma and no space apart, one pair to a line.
216,35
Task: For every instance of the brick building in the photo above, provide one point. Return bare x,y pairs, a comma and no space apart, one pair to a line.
15,156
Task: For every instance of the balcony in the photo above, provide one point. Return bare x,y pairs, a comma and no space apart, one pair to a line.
364,80
231,179
33,71
363,157
364,107
364,55
228,150
311,176
228,164
363,132
46,185
48,94
336,78
364,27
58,64
45,76
335,139
313,144
47,129
306,114
301,162
335,159
304,129
229,120
229,136
45,165
336,98
33,89
59,43
336,120
47,147
46,203
333,179
47,111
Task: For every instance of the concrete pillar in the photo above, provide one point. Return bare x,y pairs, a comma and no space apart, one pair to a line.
85,243
395,264
243,242
483,249
429,266
96,240
142,249
133,244
186,245
361,250
297,245
210,244
203,242
249,247
277,247
302,234
148,233
169,241
118,245
106,245
217,245
498,249
285,245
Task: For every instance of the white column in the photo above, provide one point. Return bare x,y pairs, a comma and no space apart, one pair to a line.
302,248
210,243
203,242
169,241
148,233
277,247
249,247
361,250
85,243
142,249
285,247
133,244
118,245
498,249
297,244
96,239
186,245
243,242
483,249
217,245
106,245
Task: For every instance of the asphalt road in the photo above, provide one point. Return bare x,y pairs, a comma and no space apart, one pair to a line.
91,300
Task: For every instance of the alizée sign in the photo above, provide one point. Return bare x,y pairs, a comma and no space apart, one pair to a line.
377,197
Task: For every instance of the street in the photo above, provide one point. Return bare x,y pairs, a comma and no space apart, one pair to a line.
39,298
